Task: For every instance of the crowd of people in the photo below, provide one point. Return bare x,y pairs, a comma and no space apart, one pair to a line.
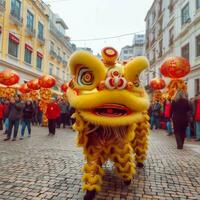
180,116
15,112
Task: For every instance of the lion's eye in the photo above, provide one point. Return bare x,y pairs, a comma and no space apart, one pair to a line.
85,76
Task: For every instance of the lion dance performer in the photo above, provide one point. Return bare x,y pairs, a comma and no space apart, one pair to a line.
111,114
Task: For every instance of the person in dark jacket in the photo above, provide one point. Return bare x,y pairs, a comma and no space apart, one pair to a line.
5,115
1,114
179,111
15,110
64,110
28,112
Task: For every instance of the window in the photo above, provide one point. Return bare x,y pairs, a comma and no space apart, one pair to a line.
30,20
185,14
50,68
63,75
13,45
160,48
185,51
198,45
28,54
16,8
40,30
171,36
58,51
125,51
64,56
52,46
197,86
197,4
39,61
57,71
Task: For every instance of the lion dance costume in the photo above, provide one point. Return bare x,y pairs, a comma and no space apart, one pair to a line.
111,114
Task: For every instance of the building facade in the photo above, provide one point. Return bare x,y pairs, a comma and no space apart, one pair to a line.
25,38
173,29
136,49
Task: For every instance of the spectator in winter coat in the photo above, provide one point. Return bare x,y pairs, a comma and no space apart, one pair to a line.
52,113
179,110
15,110
28,112
1,115
197,118
167,115
156,115
5,115
64,110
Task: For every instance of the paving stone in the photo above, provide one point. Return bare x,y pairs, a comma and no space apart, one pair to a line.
43,167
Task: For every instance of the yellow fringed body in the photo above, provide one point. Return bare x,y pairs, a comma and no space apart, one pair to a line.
111,114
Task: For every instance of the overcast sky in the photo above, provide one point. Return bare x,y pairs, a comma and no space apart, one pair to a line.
88,19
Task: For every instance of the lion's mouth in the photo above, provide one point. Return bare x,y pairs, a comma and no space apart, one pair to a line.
112,110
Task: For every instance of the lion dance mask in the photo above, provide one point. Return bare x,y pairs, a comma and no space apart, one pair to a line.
111,114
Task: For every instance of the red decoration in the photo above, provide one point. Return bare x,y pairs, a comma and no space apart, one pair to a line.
47,81
175,67
157,84
9,77
33,84
64,87
24,88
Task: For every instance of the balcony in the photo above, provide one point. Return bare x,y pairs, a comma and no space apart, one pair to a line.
2,6
16,18
59,58
52,53
41,39
30,31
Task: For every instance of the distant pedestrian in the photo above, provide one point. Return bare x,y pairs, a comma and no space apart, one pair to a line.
28,112
179,111
5,115
64,110
15,110
197,117
167,115
1,115
156,108
52,113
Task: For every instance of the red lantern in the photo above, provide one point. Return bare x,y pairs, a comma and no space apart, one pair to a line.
157,84
9,77
163,71
64,87
24,88
176,67
47,81
33,84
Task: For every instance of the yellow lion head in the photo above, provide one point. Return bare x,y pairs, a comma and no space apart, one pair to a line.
107,92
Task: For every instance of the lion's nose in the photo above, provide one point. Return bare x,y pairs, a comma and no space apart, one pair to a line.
112,83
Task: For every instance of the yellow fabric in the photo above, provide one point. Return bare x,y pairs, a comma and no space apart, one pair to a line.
122,139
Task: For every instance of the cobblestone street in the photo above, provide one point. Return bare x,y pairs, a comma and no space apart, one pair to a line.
47,167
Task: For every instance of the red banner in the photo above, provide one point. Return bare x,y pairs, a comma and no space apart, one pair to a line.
29,48
39,54
13,38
